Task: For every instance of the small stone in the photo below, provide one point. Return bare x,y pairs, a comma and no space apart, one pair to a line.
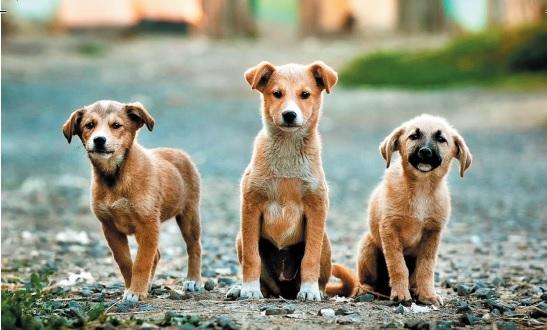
343,311
327,312
401,309
485,293
279,310
463,290
417,325
85,292
125,306
394,324
506,325
97,297
537,313
226,323
544,296
367,297
209,285
233,293
462,306
178,295
470,319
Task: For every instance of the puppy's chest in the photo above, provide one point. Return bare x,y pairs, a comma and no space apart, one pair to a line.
283,216
119,212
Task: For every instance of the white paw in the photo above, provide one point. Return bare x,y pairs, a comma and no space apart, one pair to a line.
192,286
251,290
309,291
130,296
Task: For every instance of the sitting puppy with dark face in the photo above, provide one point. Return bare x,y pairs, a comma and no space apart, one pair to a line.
407,212
134,189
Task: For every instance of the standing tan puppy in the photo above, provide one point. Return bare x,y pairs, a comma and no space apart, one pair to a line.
408,211
282,246
134,189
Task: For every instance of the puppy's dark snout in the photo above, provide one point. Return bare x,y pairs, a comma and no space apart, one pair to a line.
99,141
425,153
289,116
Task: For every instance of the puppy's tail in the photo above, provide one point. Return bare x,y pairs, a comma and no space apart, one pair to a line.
348,285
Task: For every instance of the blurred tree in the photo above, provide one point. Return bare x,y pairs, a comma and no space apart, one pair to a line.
229,18
421,16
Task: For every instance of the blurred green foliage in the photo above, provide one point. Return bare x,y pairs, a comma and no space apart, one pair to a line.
33,307
509,58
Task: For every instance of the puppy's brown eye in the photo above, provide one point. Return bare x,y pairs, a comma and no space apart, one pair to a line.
89,125
414,136
277,94
116,125
441,139
304,95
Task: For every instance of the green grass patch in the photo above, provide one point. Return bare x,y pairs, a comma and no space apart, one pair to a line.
501,58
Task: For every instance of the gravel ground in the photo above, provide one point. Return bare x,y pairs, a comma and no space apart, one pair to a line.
492,261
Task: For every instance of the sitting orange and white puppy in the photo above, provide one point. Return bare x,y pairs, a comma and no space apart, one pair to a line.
407,213
282,245
134,189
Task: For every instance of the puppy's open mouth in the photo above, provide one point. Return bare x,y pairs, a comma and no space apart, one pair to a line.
424,167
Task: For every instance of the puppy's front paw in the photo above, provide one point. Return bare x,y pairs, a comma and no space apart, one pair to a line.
309,292
192,286
133,297
400,295
431,299
251,290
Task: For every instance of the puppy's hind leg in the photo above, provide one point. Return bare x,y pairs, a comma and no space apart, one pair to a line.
367,265
190,226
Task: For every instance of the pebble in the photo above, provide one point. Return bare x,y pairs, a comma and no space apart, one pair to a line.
462,306
278,310
506,325
484,293
394,324
463,290
471,319
343,311
226,323
367,297
125,306
209,285
327,312
401,309
178,295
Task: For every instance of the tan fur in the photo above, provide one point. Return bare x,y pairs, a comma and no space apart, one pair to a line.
408,211
134,189
284,196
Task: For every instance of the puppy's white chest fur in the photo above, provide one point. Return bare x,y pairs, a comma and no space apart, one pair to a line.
420,206
285,159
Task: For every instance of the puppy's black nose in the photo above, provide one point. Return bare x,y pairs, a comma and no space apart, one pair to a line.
99,141
289,116
425,153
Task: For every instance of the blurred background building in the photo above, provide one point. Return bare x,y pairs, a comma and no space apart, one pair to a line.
270,18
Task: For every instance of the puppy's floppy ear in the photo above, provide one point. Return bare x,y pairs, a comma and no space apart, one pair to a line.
462,153
324,75
391,144
72,125
259,76
139,115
